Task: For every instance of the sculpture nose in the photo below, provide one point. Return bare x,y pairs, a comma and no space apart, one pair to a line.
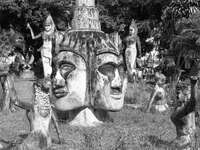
116,82
58,80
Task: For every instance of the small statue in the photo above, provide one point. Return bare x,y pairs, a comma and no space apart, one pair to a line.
158,100
48,36
132,41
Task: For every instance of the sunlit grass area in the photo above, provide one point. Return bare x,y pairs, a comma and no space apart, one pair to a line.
131,129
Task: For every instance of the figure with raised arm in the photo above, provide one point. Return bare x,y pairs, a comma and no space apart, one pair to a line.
158,101
48,36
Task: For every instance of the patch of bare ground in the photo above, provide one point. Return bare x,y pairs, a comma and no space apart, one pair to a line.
131,129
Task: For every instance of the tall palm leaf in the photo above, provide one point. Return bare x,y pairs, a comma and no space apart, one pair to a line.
185,44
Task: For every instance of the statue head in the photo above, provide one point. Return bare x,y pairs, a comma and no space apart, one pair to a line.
110,82
133,30
89,69
69,80
49,25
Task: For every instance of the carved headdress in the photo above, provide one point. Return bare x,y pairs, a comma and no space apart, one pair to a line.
134,25
49,21
86,28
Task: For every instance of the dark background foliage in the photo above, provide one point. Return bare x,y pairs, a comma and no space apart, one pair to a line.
115,15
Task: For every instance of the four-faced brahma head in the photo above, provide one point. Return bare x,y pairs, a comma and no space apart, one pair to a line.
89,71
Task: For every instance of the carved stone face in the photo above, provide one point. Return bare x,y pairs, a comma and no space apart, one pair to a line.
48,27
131,31
89,72
110,83
69,81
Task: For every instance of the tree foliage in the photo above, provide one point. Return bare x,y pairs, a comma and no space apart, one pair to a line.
186,43
115,15
181,32
176,10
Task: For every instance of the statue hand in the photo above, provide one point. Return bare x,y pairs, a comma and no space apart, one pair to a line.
28,26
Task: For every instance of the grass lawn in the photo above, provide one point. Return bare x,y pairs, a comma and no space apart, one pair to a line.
132,129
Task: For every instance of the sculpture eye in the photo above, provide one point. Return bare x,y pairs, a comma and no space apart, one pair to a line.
107,69
66,69
121,69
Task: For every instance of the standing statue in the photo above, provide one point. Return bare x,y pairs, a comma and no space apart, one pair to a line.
48,36
89,78
184,115
133,46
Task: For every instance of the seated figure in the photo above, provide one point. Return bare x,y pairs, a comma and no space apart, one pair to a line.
158,101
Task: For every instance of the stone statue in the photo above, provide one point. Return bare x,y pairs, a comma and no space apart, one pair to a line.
183,116
51,37
133,46
39,114
158,99
90,72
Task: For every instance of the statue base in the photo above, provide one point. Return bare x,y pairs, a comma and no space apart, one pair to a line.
85,118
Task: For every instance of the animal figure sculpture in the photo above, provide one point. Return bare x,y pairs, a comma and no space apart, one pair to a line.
39,114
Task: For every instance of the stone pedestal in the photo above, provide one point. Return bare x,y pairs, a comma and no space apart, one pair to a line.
85,118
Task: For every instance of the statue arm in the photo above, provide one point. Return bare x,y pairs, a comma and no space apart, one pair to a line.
151,100
139,46
35,37
32,33
31,60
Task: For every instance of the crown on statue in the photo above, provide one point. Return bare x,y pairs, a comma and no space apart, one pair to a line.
86,16
134,25
49,20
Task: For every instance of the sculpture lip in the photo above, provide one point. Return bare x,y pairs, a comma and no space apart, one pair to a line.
116,96
60,92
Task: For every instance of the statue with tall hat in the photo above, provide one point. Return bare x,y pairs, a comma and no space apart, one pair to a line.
48,36
89,78
133,46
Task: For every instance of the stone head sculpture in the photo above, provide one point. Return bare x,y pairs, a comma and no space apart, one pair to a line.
133,30
89,72
49,25
110,81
